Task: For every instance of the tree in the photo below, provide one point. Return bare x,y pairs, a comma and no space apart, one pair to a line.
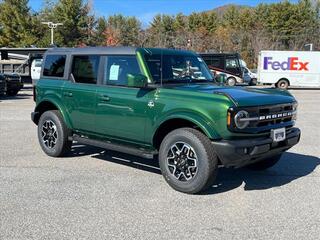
77,24
17,24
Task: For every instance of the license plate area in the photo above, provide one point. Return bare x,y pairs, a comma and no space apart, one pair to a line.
278,135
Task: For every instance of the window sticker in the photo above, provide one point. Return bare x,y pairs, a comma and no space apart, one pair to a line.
114,72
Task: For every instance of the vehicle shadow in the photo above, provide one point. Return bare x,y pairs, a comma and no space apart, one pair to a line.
19,96
291,166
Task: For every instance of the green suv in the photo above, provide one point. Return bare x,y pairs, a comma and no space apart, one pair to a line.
160,102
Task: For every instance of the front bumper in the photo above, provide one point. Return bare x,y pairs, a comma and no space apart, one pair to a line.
238,153
3,88
14,85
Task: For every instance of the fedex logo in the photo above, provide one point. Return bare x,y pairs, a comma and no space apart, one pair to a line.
293,63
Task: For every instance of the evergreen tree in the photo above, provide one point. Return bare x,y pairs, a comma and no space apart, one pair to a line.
18,28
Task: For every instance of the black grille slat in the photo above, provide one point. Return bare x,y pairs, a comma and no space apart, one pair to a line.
261,126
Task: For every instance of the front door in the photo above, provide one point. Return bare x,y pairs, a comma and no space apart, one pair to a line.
80,92
121,110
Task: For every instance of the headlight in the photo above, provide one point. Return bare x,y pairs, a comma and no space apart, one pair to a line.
240,119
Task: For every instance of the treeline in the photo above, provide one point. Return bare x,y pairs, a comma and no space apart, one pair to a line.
247,30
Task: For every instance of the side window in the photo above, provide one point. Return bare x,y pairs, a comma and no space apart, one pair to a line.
217,62
85,69
54,65
118,67
232,65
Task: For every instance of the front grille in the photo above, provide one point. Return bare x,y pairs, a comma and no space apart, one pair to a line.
273,110
265,118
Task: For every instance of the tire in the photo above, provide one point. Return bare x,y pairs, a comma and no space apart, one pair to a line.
265,164
53,134
231,81
200,153
253,82
283,84
12,93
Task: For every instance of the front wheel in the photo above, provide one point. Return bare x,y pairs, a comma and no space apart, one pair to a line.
264,164
53,134
253,82
188,161
12,92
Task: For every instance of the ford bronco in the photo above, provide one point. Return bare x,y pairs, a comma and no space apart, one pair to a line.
160,103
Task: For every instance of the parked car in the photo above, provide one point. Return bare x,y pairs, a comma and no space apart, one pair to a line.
160,102
3,85
13,83
289,68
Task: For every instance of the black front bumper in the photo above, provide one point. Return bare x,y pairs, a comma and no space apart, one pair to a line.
3,87
14,85
238,153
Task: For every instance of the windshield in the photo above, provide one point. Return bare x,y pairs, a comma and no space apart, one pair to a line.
177,68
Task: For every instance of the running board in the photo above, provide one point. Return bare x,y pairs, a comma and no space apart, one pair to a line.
114,147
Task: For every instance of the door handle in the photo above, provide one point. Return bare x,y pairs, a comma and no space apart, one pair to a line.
67,94
104,98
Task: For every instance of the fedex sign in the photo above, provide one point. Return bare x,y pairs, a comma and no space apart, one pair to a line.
292,63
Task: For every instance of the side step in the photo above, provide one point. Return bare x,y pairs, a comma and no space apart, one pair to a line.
114,147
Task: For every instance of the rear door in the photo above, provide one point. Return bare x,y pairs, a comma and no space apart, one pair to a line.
80,92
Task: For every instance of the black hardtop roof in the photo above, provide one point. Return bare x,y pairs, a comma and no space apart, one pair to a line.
113,50
94,50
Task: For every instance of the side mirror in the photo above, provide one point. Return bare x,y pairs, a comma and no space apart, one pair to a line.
137,80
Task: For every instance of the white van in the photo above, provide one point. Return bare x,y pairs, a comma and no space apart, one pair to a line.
289,68
36,70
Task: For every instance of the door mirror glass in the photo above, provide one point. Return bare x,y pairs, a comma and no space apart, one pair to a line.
137,80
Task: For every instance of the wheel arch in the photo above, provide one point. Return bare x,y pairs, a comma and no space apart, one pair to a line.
47,105
176,122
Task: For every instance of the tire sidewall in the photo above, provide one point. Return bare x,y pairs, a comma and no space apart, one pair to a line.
233,80
199,180
58,148
286,84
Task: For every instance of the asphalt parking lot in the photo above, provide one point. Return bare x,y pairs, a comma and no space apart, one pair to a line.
96,194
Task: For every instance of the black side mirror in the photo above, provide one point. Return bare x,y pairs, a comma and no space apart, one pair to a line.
137,80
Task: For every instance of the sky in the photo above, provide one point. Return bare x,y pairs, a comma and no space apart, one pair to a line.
145,10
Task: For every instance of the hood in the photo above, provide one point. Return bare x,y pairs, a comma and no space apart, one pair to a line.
242,96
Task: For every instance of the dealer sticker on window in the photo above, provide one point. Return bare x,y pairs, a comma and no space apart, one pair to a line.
278,135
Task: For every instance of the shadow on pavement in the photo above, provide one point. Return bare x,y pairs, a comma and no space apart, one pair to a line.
291,166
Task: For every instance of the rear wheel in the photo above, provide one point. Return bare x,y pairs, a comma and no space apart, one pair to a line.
282,83
264,164
53,134
231,81
188,161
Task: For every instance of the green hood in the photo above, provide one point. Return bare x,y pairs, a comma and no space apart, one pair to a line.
242,96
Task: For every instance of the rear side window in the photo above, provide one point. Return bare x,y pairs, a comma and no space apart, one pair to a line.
85,69
54,65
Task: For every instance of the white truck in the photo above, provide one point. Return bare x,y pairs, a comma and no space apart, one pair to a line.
289,68
36,70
